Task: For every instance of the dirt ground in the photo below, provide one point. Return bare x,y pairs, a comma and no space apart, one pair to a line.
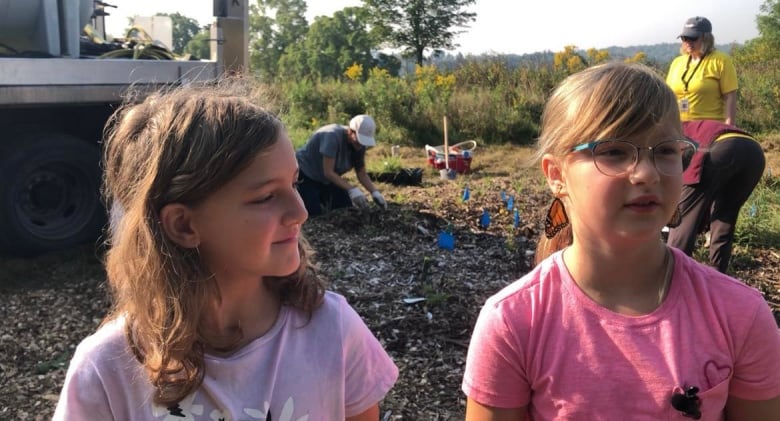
419,299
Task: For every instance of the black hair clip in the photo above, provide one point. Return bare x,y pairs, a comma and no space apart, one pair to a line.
688,403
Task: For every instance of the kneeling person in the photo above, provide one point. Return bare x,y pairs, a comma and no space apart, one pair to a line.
329,153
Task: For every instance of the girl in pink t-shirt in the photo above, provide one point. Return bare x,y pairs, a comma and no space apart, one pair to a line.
217,312
612,324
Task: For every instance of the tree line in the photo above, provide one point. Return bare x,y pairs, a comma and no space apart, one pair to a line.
332,67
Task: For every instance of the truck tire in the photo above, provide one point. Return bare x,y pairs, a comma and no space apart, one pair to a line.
49,193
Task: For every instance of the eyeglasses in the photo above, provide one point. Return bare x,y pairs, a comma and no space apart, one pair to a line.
617,157
689,39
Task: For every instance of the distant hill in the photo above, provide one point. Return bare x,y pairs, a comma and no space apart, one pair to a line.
660,55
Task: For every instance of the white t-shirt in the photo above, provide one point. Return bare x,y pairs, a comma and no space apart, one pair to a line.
326,368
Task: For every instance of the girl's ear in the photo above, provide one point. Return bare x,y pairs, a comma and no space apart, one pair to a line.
176,220
553,172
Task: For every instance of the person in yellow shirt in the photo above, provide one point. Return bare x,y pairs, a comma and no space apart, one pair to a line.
703,78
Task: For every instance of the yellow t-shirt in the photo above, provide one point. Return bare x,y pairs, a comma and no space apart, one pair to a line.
707,82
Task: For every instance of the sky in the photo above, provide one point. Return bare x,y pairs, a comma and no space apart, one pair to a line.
519,27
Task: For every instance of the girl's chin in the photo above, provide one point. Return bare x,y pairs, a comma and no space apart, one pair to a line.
289,267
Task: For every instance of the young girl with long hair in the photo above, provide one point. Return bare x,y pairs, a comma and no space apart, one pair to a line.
217,310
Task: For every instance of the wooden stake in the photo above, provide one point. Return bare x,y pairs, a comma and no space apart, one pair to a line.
446,146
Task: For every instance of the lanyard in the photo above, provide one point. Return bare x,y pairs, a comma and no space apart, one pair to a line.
688,66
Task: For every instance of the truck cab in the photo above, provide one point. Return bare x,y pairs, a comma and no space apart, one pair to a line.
55,102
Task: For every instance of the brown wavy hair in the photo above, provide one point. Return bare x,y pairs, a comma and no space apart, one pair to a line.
180,145
606,101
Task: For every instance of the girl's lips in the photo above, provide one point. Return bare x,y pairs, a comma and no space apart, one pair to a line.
644,204
644,201
642,207
288,240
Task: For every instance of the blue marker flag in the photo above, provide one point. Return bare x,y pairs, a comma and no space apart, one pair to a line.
510,203
503,196
466,194
446,240
484,220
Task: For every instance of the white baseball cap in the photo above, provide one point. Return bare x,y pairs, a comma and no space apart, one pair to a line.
365,128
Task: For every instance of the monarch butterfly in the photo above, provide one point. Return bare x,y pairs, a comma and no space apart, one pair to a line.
556,219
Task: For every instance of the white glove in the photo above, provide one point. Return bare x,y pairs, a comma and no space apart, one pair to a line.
358,198
379,199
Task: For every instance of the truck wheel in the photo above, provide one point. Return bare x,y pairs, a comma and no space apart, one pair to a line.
49,194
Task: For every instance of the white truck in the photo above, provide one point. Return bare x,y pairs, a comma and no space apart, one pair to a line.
54,104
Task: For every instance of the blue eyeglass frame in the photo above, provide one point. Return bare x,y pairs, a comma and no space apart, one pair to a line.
686,159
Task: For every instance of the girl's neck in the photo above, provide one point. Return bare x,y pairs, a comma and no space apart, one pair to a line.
631,283
252,308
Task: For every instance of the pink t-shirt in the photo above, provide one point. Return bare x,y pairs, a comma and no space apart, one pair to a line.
328,368
542,342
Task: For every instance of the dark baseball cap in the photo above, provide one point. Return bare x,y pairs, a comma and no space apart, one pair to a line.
695,27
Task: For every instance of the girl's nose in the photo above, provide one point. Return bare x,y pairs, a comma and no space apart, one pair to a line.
297,213
644,168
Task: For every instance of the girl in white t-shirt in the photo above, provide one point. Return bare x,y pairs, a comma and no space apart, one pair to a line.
217,313
612,324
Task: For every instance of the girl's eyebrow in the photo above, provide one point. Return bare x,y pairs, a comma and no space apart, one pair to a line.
262,183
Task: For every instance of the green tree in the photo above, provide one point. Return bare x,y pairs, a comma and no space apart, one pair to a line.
331,46
417,25
198,46
274,26
184,29
769,23
758,69
388,62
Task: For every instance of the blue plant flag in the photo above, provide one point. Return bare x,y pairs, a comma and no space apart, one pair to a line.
484,220
446,240
503,196
510,203
466,193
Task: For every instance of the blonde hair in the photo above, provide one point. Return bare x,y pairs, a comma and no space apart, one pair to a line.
179,146
707,44
612,100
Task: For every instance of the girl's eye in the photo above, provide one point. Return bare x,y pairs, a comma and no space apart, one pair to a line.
668,149
262,200
613,152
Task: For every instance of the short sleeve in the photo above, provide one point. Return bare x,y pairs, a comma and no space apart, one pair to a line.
728,77
757,368
673,78
83,394
494,373
329,143
370,373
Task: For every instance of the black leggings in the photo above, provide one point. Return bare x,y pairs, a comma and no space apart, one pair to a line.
731,170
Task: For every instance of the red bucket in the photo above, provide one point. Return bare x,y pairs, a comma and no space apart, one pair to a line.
459,157
462,162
